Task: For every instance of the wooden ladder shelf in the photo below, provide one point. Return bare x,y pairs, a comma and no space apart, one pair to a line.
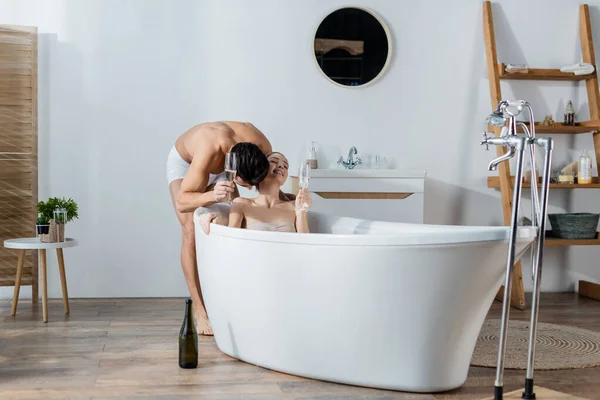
497,72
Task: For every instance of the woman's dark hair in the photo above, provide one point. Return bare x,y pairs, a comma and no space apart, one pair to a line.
252,163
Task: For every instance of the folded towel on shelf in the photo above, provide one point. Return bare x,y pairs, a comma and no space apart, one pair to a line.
518,68
578,69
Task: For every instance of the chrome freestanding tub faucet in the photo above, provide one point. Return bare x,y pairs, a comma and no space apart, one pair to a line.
516,145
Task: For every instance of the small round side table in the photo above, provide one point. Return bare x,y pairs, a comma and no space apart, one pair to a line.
25,244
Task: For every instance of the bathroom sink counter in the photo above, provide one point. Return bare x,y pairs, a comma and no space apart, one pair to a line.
395,195
367,173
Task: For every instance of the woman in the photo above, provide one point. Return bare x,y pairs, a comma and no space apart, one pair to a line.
268,211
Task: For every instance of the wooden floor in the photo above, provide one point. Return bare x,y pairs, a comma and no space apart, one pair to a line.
127,348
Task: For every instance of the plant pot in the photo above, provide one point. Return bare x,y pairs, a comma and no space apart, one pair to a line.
43,229
574,225
56,233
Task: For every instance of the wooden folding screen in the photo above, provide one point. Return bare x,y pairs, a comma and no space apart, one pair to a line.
18,148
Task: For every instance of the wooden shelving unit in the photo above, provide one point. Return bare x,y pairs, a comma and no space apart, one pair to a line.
537,74
504,181
559,128
551,241
493,182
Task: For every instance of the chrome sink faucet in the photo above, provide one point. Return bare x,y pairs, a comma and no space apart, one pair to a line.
350,163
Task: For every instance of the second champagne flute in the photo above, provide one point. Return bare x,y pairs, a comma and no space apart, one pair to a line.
304,178
231,170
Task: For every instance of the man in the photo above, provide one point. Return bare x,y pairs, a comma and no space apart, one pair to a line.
195,171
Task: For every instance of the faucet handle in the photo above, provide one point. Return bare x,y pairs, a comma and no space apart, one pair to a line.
485,141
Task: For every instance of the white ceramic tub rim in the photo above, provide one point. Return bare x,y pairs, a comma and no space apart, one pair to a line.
417,235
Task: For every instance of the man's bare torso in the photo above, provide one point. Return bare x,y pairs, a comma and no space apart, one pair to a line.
214,139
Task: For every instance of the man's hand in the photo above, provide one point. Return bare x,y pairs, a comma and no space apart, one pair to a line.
205,220
222,191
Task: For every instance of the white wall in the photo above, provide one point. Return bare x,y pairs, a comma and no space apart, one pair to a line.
119,81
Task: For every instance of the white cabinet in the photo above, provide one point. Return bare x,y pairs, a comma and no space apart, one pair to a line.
376,194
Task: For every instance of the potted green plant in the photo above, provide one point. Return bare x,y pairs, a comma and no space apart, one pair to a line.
58,211
43,224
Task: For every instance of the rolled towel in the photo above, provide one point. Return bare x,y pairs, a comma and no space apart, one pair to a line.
579,68
517,68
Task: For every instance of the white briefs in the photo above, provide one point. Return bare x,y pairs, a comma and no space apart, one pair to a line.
177,167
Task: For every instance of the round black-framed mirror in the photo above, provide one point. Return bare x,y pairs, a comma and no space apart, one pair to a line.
352,46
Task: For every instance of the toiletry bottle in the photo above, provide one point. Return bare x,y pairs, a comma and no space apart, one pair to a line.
584,173
569,114
312,156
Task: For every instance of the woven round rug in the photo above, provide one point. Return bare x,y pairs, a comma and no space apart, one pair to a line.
557,346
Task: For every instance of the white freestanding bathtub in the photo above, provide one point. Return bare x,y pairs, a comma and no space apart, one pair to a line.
376,304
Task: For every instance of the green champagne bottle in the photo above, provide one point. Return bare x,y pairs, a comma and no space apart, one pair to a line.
188,339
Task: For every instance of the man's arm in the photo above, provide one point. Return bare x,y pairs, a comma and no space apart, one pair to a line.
193,192
264,145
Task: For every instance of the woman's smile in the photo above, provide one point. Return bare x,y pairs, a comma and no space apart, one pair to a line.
279,163
279,171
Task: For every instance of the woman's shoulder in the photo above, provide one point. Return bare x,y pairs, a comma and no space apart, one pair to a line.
289,204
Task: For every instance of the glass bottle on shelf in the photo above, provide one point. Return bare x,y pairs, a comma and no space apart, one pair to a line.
527,172
584,169
569,114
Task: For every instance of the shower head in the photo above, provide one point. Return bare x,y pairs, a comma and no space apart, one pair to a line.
496,119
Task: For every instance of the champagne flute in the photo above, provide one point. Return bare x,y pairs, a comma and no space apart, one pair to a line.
230,170
304,174
304,178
